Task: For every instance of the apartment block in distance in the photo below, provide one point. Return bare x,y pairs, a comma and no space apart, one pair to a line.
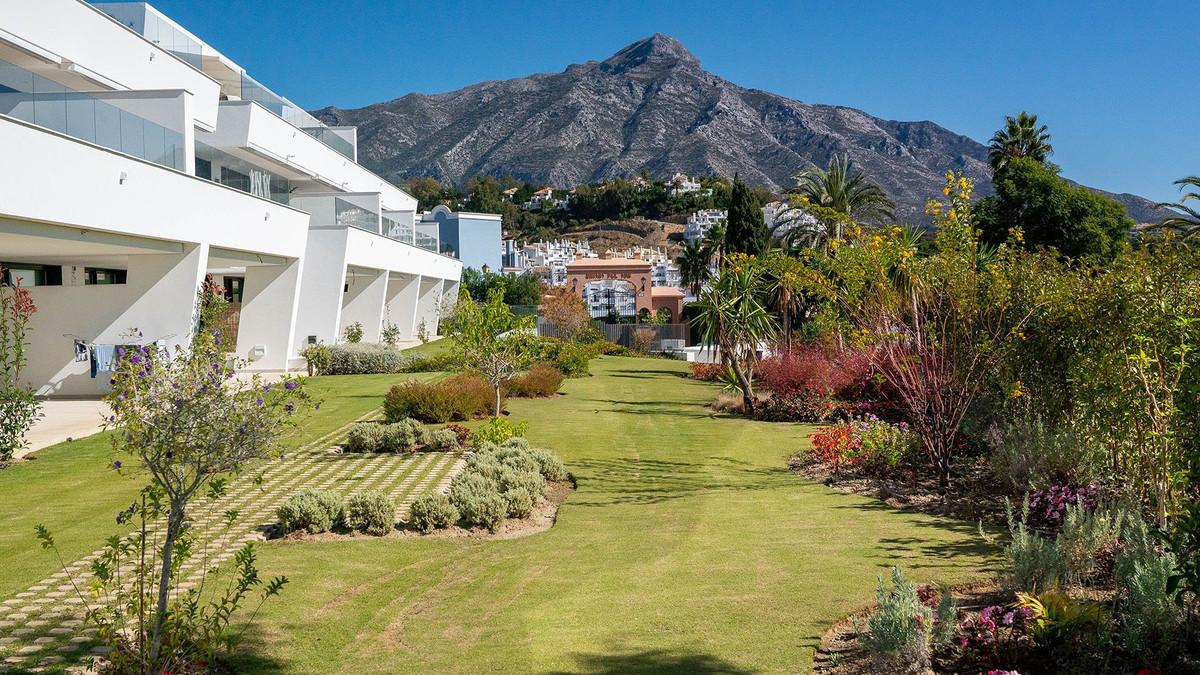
139,161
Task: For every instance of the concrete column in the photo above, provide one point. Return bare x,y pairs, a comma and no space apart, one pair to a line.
402,295
268,319
427,302
158,300
322,283
363,302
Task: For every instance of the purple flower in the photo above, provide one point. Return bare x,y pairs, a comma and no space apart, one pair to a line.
266,388
116,464
317,406
258,401
289,385
136,358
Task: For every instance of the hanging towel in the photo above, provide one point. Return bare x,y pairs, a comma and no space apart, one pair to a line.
103,355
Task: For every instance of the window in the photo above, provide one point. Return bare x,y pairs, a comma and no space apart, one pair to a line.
233,288
99,276
32,275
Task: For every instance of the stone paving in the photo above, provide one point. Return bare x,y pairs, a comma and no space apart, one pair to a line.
42,629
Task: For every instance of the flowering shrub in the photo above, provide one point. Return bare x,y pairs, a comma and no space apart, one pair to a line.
998,634
1048,507
882,445
705,372
835,445
798,405
19,408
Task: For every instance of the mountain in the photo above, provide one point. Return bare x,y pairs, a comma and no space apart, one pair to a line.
651,107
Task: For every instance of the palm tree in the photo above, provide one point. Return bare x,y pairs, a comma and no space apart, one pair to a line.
1020,137
693,265
733,317
785,285
845,191
715,242
1187,220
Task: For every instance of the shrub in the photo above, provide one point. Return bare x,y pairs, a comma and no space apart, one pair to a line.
353,332
815,370
835,445
526,478
1027,454
363,359
705,372
899,634
462,397
1032,562
497,430
1048,507
800,405
319,358
313,511
463,433
1056,619
371,512
430,363
729,403
881,445
478,501
1149,617
366,437
442,440
519,502
432,511
1085,533
390,334
550,466
542,380
571,358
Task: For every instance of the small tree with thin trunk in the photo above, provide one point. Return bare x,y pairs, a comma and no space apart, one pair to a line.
189,423
492,341
566,313
733,316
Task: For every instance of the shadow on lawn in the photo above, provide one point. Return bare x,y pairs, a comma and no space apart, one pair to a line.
628,407
654,481
935,551
654,661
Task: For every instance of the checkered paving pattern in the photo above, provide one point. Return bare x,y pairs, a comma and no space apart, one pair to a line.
42,628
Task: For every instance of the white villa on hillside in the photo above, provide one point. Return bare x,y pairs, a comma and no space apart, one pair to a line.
140,160
700,222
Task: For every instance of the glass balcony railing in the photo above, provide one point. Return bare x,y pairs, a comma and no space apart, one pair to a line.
427,242
223,168
396,230
88,117
330,138
353,215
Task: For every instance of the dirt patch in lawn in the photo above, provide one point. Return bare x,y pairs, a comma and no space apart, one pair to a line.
542,518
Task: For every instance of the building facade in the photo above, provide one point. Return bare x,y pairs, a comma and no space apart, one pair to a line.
141,161
473,238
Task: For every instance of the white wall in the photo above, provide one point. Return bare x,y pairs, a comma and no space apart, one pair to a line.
73,31
62,180
320,309
402,294
270,298
363,302
158,300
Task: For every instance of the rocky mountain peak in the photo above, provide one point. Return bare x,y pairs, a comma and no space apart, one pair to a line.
654,52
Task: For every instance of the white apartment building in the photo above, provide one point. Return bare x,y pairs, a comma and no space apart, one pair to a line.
700,222
548,258
141,160
781,218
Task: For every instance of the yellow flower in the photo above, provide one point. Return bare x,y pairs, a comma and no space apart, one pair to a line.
1018,390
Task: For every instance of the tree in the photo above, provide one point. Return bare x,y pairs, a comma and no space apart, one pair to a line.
428,191
845,191
714,241
786,280
731,314
693,265
1050,212
1186,222
190,422
1020,137
491,340
19,406
566,312
484,195
745,231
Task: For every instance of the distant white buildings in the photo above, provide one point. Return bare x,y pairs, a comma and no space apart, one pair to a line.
781,218
550,259
700,222
682,184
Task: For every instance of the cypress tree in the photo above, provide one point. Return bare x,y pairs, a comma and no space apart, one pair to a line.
745,231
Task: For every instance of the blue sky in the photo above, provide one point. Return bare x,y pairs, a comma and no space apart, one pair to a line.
1111,79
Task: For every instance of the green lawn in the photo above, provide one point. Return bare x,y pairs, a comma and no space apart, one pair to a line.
439,346
689,547
71,488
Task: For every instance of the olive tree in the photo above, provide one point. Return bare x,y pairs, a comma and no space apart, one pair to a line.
492,341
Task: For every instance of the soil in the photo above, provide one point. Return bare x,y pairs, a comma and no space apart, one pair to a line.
913,489
621,234
543,517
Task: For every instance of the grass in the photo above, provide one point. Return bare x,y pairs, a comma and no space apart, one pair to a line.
71,488
689,547
440,346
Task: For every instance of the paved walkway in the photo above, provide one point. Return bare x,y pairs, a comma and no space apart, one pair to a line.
63,419
42,628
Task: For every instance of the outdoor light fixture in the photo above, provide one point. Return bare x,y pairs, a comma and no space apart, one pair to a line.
123,178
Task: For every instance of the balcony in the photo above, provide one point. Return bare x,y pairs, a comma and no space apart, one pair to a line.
107,118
